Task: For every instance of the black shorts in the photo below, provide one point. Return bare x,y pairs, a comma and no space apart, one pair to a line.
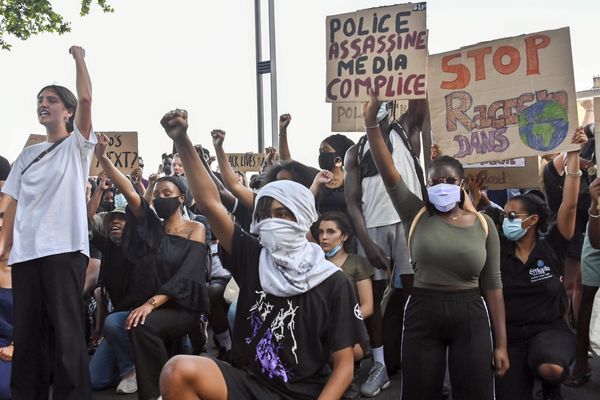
244,386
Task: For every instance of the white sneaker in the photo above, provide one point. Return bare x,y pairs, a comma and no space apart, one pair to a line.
127,385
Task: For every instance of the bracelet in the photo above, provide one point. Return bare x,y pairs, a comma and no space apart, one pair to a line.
372,127
592,215
573,174
589,111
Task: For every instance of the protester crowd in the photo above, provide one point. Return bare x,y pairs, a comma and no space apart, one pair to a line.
114,281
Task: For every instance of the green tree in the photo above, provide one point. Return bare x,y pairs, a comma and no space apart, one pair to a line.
25,18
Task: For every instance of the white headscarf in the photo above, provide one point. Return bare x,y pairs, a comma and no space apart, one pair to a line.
289,264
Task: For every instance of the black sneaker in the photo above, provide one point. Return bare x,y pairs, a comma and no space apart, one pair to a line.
551,392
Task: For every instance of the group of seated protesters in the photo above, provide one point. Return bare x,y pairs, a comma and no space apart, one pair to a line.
303,274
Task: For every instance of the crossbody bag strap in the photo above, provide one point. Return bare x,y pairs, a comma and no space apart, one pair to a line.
43,153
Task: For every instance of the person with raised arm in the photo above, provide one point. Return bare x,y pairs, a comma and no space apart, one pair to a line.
46,225
295,309
168,281
455,253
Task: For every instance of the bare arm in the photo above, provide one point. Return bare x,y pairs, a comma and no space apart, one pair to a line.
412,122
284,149
594,224
365,297
243,193
83,115
134,201
495,302
149,192
341,376
94,203
565,219
324,176
353,196
227,198
201,185
8,224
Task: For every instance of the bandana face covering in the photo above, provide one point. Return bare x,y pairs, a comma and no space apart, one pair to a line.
444,196
289,264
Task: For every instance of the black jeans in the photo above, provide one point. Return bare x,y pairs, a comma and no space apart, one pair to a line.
150,352
440,322
555,345
49,315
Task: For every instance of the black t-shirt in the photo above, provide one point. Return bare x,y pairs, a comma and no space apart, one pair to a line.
292,356
115,272
533,292
331,199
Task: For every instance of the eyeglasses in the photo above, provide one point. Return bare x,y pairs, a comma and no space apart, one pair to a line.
512,215
450,180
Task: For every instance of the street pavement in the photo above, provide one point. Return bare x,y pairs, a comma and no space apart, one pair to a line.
589,391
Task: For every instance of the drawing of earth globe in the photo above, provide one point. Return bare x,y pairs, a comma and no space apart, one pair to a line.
543,125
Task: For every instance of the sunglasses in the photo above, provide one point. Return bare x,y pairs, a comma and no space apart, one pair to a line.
511,216
450,180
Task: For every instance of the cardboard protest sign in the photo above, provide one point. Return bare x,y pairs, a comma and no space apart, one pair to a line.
384,48
520,173
504,99
122,150
246,162
347,117
34,139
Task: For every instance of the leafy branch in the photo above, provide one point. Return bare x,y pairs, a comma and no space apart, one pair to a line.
25,18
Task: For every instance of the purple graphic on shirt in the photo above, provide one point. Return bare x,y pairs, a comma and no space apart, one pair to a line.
266,351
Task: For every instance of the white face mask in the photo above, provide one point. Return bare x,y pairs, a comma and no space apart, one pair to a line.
444,196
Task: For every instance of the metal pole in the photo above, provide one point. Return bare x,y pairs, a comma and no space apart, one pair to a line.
272,52
259,80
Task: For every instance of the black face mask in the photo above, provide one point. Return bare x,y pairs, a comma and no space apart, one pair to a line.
166,206
107,206
327,160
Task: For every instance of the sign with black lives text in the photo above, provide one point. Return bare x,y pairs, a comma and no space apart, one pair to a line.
246,162
122,150
384,48
519,173
347,117
503,99
34,139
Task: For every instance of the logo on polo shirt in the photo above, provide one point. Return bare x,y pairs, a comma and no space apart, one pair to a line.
540,272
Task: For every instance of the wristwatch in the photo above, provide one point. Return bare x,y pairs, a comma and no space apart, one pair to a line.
152,301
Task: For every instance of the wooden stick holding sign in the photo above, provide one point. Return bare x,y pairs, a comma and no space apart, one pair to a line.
122,150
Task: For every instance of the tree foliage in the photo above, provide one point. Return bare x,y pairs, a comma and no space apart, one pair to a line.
25,18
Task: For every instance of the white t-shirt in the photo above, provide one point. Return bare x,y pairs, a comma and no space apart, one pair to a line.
377,207
51,213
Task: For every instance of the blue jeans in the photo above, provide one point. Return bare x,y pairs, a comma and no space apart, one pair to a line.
113,359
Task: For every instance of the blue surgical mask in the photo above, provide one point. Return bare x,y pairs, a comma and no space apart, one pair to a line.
334,251
444,196
512,229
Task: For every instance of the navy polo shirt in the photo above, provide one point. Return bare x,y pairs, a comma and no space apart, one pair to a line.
533,291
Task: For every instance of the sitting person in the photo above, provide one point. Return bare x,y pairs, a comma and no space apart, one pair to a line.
168,283
295,309
540,344
113,360
6,330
